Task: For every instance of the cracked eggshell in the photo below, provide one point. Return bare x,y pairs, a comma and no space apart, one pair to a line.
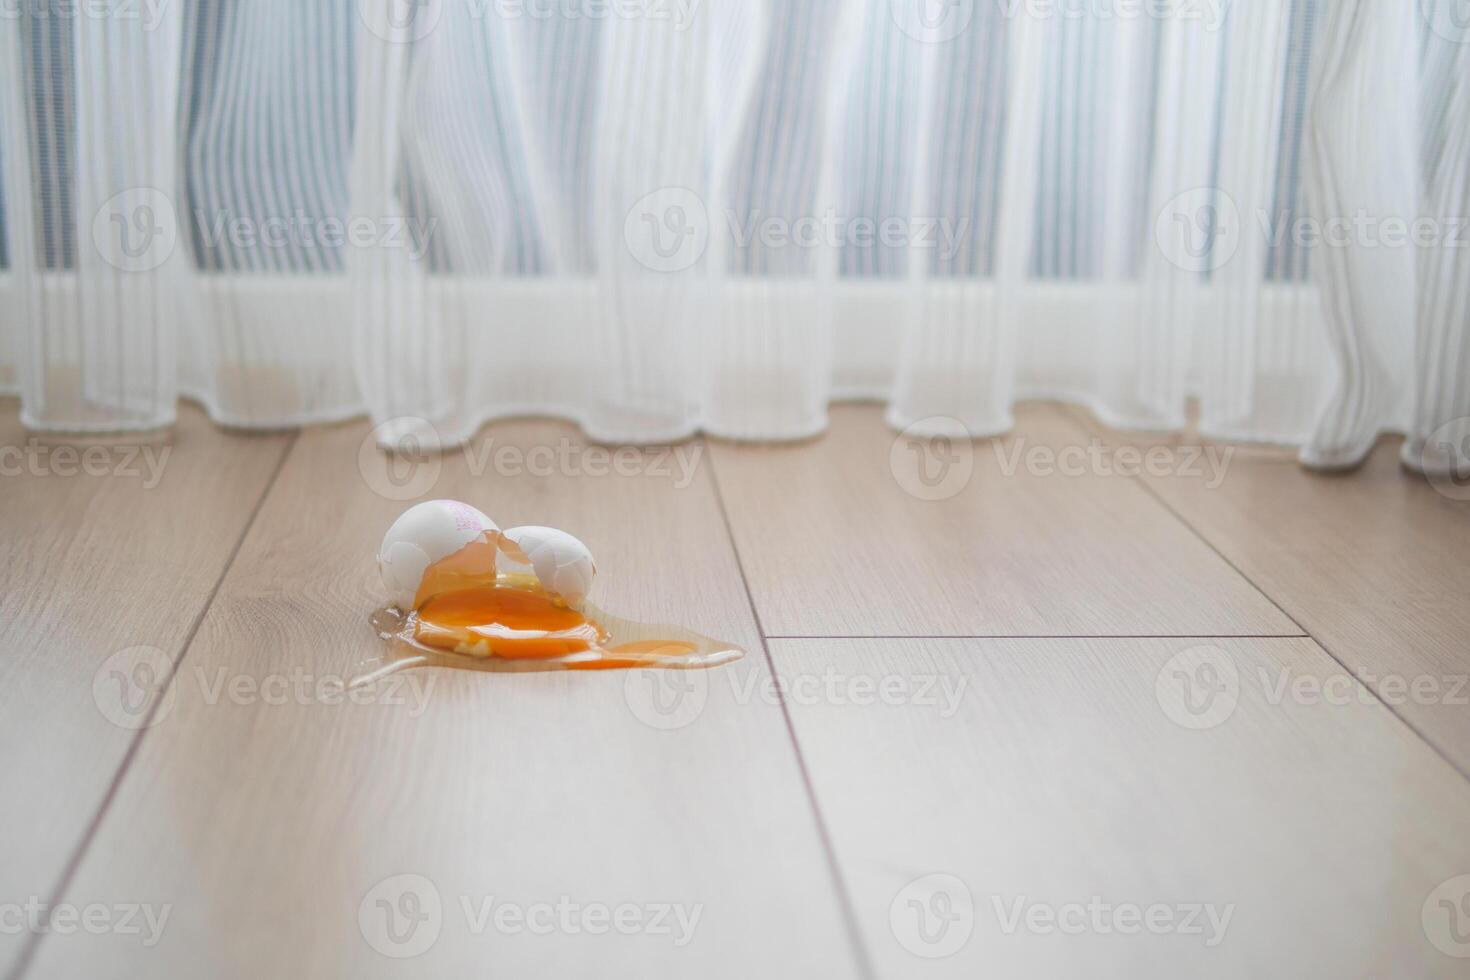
561,563
422,535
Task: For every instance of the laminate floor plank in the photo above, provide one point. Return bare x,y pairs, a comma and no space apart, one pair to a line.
1129,808
864,533
1374,564
111,544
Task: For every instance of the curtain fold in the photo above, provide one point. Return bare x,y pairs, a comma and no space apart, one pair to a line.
1362,158
1439,427
670,216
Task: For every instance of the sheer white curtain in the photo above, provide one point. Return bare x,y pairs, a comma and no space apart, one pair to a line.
664,216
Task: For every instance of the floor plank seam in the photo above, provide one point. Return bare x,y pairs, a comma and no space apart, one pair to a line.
839,882
1321,644
1045,636
33,943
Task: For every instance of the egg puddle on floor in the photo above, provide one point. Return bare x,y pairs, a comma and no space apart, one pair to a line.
469,595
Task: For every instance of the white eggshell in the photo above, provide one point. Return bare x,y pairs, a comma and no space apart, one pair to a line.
561,563
422,535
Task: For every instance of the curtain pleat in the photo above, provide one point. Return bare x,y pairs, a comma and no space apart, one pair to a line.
1439,427
92,231
1361,159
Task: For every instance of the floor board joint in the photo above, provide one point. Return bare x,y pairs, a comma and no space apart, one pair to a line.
839,882
1320,642
68,873
1044,636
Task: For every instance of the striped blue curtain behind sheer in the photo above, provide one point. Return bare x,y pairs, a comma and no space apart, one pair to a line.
771,156
48,45
261,137
268,118
267,129
1286,258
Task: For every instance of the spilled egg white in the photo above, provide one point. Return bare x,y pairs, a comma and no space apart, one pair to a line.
422,535
560,562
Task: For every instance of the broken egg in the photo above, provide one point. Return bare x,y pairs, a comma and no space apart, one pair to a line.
466,594
427,534
560,562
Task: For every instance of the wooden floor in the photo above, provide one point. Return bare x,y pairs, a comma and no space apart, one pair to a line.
997,718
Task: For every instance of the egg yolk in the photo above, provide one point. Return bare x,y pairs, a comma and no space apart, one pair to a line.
505,622
521,622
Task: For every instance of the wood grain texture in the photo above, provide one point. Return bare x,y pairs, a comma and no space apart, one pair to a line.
1058,777
268,826
1374,564
109,544
835,543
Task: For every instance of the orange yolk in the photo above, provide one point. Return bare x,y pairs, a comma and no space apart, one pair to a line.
520,624
463,606
512,623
